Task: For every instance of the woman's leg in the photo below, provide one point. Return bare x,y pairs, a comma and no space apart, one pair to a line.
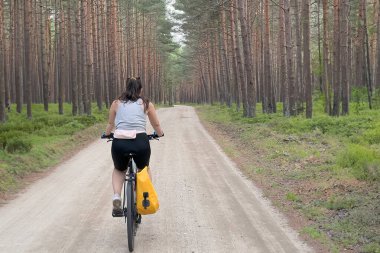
117,181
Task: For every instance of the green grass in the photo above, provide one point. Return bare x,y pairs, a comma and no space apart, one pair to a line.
328,167
292,197
28,146
358,133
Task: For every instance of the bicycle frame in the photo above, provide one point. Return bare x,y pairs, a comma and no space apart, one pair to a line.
129,202
130,176
132,218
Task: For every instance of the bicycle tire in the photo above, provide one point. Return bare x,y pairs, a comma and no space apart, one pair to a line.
130,217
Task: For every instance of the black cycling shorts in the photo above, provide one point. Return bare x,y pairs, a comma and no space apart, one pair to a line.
140,147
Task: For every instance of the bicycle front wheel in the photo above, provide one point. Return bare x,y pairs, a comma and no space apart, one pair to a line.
131,224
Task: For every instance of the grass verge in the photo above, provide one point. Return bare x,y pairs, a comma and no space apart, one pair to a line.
32,146
323,173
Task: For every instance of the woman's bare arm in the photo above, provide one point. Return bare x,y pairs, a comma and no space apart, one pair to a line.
152,115
111,117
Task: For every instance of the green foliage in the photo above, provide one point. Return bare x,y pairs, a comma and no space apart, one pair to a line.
363,162
372,136
18,144
5,136
312,232
372,248
292,197
360,99
339,203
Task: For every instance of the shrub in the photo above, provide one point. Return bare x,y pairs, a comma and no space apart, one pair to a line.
3,142
6,136
339,203
18,145
292,197
363,162
87,120
373,136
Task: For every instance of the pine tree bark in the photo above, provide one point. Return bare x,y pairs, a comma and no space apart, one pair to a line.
96,59
28,57
290,92
337,84
298,80
2,64
251,90
84,50
19,56
306,58
360,52
89,59
226,62
367,64
326,84
321,88
282,60
344,55
79,70
235,54
377,71
269,96
44,55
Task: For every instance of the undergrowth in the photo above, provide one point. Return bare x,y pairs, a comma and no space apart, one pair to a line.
33,145
327,168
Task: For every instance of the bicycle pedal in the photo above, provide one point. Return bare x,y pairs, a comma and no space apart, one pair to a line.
117,214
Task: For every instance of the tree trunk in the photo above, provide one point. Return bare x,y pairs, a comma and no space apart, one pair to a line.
282,61
321,88
367,64
226,63
337,62
360,51
344,55
89,57
45,47
251,90
306,58
28,57
235,54
290,92
298,88
270,108
19,59
79,70
96,59
377,71
326,83
2,64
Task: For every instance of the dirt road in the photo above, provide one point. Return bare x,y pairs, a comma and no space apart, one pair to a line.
206,205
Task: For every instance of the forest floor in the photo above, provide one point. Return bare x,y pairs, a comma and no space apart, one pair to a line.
332,209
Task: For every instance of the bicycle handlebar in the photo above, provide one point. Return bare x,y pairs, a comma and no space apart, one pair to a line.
110,137
104,136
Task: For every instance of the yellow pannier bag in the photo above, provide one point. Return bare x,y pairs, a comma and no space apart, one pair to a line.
146,196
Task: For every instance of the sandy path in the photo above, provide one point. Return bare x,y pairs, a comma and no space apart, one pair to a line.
206,205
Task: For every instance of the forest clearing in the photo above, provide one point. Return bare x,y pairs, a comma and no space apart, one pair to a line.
289,89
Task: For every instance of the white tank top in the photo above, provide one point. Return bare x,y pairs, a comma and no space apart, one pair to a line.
131,116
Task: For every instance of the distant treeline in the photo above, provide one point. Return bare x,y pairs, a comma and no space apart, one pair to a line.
80,51
265,51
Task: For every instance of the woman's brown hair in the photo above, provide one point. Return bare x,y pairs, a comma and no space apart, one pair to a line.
133,92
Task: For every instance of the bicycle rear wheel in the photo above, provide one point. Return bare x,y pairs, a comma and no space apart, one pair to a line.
131,213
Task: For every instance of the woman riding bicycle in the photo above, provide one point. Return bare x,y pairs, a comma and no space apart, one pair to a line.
127,116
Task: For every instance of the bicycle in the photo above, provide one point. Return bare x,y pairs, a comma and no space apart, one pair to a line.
129,210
